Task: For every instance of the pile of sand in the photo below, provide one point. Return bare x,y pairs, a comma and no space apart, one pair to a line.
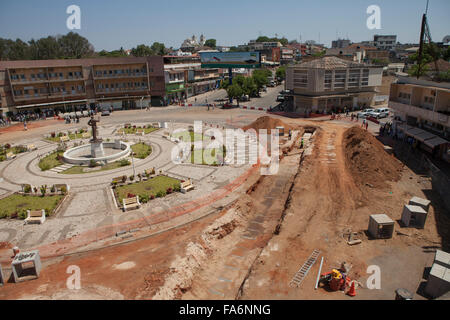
268,123
367,160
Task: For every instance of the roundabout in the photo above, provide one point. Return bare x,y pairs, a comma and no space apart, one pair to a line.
90,212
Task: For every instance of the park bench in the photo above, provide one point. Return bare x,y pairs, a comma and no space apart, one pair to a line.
10,155
166,135
31,147
35,216
131,203
64,138
59,187
117,179
187,186
85,135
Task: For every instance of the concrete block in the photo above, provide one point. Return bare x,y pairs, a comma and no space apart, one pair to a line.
442,258
381,226
26,266
438,281
2,281
424,203
414,216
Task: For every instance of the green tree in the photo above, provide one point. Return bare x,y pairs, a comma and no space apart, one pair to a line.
74,46
141,51
414,70
249,87
211,43
281,73
158,49
235,91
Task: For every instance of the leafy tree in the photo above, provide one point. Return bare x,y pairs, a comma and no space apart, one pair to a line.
281,73
141,51
260,77
414,70
235,91
74,46
211,43
158,48
249,87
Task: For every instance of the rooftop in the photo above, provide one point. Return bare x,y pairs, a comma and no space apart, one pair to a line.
331,63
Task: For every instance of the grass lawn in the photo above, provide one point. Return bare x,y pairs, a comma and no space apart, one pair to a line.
147,188
208,156
141,150
51,161
17,203
134,130
109,166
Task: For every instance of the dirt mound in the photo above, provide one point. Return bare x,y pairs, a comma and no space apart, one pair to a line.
367,160
268,123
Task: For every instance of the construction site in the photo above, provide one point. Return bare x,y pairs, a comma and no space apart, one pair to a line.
330,221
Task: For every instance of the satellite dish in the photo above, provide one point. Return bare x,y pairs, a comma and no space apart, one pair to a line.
446,39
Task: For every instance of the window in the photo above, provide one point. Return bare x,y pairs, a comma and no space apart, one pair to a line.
300,78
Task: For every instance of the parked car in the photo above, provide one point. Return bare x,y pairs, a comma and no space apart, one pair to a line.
245,98
280,98
365,113
105,112
271,84
380,113
264,88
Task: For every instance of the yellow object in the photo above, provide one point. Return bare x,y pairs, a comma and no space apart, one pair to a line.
336,274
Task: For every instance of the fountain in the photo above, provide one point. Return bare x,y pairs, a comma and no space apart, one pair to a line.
97,150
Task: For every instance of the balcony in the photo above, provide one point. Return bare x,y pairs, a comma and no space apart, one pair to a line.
120,76
51,80
418,112
119,90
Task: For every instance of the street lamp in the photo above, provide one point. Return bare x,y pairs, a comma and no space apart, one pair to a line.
132,162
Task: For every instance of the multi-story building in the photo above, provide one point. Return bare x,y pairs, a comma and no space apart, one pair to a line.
184,77
330,83
385,42
76,84
286,55
422,112
340,43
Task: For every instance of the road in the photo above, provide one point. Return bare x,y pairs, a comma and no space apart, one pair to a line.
266,100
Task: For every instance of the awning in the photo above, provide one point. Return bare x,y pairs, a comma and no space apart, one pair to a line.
436,141
413,132
424,136
50,104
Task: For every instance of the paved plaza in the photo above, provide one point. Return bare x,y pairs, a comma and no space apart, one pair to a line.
90,204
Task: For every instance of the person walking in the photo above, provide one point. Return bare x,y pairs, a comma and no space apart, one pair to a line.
363,123
367,124
25,125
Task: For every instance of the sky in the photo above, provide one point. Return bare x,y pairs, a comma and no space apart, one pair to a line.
112,24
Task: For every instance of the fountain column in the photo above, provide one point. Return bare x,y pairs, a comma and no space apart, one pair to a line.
96,143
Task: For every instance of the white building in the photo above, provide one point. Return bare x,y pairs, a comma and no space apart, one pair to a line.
330,83
385,42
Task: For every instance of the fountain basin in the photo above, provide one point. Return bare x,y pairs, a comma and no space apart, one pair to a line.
82,155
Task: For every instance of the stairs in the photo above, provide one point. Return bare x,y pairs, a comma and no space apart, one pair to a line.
61,168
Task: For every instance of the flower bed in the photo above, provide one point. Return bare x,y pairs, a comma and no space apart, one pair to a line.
156,187
16,205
